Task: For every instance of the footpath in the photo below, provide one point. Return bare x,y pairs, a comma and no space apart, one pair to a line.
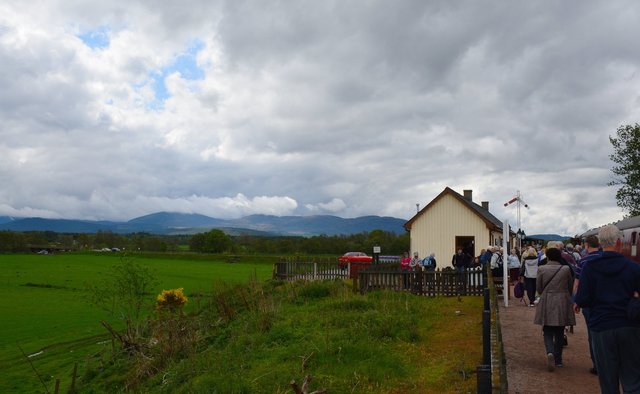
526,362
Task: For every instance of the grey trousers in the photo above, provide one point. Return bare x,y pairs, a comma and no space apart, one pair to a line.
617,353
553,341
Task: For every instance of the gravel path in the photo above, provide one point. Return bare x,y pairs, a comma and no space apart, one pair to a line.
526,361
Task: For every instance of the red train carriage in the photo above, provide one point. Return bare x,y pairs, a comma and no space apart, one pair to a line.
631,243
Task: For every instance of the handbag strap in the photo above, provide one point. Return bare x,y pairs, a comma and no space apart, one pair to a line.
552,276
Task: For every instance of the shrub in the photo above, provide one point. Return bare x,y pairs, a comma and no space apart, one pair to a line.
171,300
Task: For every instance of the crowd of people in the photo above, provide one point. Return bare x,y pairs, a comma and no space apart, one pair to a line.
563,280
460,261
416,263
593,279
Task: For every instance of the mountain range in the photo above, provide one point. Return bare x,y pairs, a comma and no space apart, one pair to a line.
550,237
189,223
185,223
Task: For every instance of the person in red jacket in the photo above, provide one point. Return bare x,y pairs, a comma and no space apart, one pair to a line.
405,262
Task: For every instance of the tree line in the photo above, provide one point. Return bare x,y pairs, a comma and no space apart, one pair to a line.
213,241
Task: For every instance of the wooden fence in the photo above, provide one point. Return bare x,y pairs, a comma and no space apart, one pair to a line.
368,277
310,270
428,283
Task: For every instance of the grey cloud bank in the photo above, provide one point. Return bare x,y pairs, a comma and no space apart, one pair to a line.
346,108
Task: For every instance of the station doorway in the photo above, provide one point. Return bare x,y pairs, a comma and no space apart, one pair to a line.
467,244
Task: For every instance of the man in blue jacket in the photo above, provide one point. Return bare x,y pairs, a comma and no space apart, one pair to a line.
606,286
592,246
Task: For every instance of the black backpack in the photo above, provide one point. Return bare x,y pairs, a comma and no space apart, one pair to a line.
500,260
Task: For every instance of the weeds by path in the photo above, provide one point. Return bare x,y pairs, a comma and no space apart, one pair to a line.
259,337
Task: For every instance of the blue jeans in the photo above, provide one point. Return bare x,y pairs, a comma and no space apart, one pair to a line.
617,353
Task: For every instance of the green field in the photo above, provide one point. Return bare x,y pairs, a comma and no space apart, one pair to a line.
46,307
249,336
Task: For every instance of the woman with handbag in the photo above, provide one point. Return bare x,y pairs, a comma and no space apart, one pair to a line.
554,283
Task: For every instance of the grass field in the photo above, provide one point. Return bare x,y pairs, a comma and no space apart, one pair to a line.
382,342
46,307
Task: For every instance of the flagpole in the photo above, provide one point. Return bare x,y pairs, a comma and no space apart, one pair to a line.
505,269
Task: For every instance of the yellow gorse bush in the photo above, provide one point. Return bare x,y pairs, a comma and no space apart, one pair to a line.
171,300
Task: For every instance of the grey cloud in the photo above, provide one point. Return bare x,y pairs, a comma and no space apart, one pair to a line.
349,107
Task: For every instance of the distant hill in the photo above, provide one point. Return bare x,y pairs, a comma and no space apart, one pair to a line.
319,224
549,237
181,223
162,222
55,225
6,219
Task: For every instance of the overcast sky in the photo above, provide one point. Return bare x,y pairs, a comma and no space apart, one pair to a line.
117,109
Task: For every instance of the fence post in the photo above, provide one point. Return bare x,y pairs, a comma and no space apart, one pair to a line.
73,378
315,270
485,279
487,298
486,337
483,375
486,329
355,280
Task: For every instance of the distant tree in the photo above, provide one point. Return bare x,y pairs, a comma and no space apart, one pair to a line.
214,241
84,241
66,241
196,242
627,170
318,244
154,244
107,239
12,242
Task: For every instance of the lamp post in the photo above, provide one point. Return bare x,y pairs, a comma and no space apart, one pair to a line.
519,201
520,235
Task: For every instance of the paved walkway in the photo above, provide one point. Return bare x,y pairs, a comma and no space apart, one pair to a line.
526,361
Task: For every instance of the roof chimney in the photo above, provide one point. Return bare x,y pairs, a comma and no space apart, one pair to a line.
468,194
485,205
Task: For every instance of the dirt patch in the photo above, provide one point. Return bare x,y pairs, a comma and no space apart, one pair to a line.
526,361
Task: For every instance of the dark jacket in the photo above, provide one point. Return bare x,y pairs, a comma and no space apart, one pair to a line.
581,263
460,260
606,286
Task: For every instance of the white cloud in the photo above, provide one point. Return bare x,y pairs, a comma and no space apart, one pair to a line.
334,206
352,108
223,207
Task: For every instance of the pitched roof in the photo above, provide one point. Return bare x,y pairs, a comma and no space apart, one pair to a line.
630,222
491,221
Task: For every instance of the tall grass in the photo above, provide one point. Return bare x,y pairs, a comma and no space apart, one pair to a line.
257,338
